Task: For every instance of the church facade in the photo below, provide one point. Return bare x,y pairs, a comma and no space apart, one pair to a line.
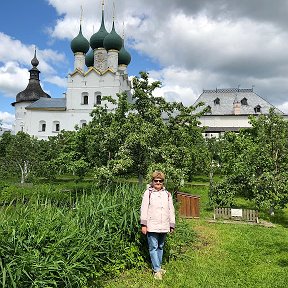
100,72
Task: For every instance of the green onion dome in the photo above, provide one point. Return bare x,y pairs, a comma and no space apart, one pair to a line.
80,43
113,40
89,59
96,40
124,56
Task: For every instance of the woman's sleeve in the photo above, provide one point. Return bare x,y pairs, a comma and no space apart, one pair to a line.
144,208
171,211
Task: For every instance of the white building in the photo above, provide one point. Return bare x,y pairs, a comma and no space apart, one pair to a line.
229,109
101,72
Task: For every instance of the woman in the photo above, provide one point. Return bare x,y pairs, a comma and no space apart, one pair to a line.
157,219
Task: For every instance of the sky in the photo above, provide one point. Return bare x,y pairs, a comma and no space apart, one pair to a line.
189,45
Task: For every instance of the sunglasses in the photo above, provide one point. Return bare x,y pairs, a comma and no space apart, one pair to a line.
158,181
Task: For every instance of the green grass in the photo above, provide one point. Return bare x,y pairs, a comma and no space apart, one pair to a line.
50,236
224,255
74,237
46,243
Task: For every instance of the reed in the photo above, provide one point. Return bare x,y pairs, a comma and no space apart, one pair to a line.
71,241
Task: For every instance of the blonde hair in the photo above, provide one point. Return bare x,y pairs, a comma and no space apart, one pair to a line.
158,174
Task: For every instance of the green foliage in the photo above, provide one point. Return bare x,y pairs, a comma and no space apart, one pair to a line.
19,154
135,136
174,177
5,169
58,195
50,237
124,140
271,190
223,194
255,162
177,243
69,153
103,176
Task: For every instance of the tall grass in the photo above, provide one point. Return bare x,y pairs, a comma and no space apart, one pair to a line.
49,241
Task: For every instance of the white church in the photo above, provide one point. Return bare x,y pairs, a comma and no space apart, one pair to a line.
100,72
103,71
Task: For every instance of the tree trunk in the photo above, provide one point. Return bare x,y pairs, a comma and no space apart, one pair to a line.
25,170
271,211
211,174
140,179
22,174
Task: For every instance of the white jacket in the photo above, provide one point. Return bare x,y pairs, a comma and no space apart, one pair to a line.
157,211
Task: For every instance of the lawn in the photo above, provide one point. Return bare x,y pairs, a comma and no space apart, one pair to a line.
224,255
53,222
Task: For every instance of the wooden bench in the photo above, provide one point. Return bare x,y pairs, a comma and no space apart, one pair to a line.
236,214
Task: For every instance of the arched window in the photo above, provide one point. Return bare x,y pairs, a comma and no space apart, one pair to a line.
83,123
244,101
56,126
85,98
42,126
98,98
217,101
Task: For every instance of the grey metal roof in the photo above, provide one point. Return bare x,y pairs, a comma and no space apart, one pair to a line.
226,99
48,104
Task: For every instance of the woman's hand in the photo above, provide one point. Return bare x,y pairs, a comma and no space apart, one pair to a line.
171,230
144,230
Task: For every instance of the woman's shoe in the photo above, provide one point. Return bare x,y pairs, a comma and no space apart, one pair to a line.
158,275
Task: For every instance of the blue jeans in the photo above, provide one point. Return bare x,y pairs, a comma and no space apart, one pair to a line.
156,244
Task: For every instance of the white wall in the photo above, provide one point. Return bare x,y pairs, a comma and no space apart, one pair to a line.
20,123
67,120
225,121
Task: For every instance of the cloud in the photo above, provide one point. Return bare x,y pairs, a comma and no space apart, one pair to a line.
67,25
177,84
60,82
7,119
23,54
13,79
223,51
240,48
14,73
199,44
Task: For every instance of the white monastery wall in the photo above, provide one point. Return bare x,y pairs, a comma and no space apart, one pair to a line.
67,120
225,121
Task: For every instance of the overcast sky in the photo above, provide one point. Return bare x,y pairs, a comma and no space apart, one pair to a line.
189,45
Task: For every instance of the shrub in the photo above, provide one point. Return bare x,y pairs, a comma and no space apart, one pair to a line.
222,194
